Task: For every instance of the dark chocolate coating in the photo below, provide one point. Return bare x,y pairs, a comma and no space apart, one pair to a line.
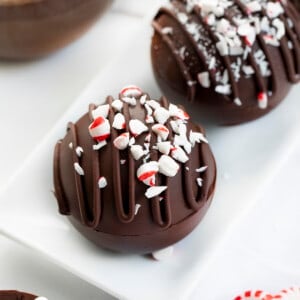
33,28
16,295
107,216
173,73
296,3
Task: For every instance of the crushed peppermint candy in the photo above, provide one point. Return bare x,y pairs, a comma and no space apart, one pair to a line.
155,191
79,151
78,169
173,141
102,182
232,31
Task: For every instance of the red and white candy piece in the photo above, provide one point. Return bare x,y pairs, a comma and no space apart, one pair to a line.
161,115
262,99
102,182
274,9
100,111
137,151
178,153
155,191
122,141
161,130
147,171
153,103
137,127
99,145
177,112
100,129
164,147
253,6
119,122
168,166
131,91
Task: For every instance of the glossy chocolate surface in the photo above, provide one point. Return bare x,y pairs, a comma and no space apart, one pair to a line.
184,45
34,28
119,216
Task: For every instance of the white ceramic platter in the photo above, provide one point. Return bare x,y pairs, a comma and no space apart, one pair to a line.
248,157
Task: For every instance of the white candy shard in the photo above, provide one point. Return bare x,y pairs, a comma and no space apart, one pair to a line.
102,182
161,131
119,121
161,115
153,103
137,208
117,105
78,169
131,141
137,127
164,147
41,298
79,151
71,145
155,191
100,129
199,181
238,102
137,151
253,6
163,254
149,120
100,111
202,169
131,91
147,171
168,166
123,161
274,9
143,99
167,30
204,79
122,141
197,137
178,153
99,145
129,100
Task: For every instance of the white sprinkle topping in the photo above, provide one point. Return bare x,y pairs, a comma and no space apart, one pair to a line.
164,147
122,141
179,154
137,208
161,115
79,151
102,182
153,103
143,99
223,89
137,151
131,141
238,102
137,127
199,181
123,161
155,191
130,100
274,9
71,145
168,166
119,121
99,145
202,169
100,111
187,168
117,105
41,298
78,169
204,80
197,137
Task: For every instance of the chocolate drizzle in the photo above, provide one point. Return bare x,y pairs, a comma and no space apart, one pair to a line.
124,200
266,84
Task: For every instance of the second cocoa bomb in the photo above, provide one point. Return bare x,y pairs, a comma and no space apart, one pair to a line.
135,174
16,295
233,60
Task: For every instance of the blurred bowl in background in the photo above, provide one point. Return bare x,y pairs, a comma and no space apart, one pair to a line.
34,28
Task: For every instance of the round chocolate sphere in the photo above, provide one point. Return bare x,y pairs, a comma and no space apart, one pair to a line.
234,60
16,295
33,28
135,174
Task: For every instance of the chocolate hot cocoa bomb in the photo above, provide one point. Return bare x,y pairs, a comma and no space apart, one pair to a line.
16,295
135,174
234,60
